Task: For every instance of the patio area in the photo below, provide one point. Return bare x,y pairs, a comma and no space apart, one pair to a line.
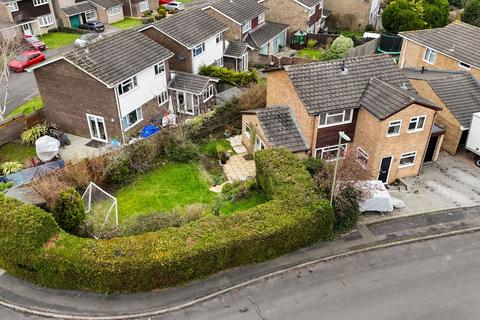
78,149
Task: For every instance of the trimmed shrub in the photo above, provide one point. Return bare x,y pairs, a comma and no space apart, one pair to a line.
339,48
236,78
313,165
185,152
346,213
69,211
296,217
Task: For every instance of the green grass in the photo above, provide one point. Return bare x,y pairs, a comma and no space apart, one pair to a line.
315,54
15,151
351,34
163,189
55,40
28,107
127,23
243,204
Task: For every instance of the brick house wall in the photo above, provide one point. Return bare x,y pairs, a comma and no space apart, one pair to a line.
103,16
349,14
444,118
371,136
254,124
68,94
5,14
287,10
412,55
280,91
176,63
234,32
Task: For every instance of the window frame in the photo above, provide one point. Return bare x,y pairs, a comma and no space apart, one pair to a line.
345,120
48,18
248,130
201,46
208,93
390,124
429,53
219,38
37,3
407,155
91,19
247,26
13,6
132,80
111,11
332,148
259,142
157,67
261,18
464,65
139,115
363,154
417,121
146,4
163,97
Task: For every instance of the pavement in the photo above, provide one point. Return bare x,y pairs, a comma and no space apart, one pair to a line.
303,283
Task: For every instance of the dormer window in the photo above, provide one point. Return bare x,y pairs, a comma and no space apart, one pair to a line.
199,50
261,18
247,26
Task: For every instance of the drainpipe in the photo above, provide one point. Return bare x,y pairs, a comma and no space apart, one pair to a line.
119,114
130,5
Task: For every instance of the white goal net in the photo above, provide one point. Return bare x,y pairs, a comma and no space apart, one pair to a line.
102,211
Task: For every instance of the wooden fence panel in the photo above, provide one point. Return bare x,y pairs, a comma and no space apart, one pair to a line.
12,128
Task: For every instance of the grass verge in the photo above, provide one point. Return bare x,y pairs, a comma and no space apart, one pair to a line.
28,107
55,40
127,23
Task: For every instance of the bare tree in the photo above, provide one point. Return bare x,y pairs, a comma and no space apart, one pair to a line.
10,46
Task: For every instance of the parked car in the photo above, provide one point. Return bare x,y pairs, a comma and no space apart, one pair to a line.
96,26
164,2
473,139
87,38
26,59
34,43
175,6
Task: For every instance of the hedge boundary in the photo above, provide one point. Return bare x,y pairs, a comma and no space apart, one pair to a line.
33,247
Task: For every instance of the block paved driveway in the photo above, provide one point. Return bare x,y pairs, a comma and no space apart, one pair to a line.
449,183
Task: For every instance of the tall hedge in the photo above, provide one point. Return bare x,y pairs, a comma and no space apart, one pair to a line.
295,217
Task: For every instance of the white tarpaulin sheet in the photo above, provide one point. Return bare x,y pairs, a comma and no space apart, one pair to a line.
47,148
379,198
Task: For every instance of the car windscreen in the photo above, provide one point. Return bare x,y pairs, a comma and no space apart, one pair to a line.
21,57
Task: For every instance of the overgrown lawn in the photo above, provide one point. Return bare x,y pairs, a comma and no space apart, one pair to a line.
16,151
127,23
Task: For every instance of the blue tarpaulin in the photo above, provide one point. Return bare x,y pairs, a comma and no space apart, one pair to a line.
29,174
149,130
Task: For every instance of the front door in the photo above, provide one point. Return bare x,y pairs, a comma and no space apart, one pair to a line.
385,169
432,146
97,128
75,21
27,29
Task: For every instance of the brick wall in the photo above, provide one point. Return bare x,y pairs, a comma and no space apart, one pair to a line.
349,14
254,124
234,31
69,94
179,50
287,11
12,128
445,118
412,55
371,136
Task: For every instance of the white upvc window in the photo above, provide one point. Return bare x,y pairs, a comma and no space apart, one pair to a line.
13,6
261,18
362,157
247,26
407,159
464,65
328,119
159,68
219,38
429,55
208,93
143,6
132,118
91,15
127,85
37,3
330,153
394,128
198,50
219,62
45,21
416,124
163,97
259,145
114,10
248,130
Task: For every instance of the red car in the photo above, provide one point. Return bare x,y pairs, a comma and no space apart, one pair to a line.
25,60
163,2
34,43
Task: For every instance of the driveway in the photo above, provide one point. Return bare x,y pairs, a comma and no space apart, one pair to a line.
446,184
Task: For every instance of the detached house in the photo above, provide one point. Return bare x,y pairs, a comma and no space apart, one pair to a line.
111,88
73,13
193,36
389,124
308,16
458,93
247,24
28,17
453,47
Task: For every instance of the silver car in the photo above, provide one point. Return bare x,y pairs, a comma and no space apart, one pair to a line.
87,38
175,6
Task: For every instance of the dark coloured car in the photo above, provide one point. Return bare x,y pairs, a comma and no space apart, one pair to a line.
26,59
34,43
96,26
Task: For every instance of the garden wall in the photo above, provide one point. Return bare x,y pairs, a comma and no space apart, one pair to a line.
12,128
33,247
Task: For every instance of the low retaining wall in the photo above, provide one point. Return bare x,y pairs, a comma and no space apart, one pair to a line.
12,128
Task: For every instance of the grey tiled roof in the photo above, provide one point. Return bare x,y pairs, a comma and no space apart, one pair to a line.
382,99
459,40
118,56
429,74
235,49
239,10
78,8
107,3
190,27
189,82
262,35
323,88
309,3
461,95
280,128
